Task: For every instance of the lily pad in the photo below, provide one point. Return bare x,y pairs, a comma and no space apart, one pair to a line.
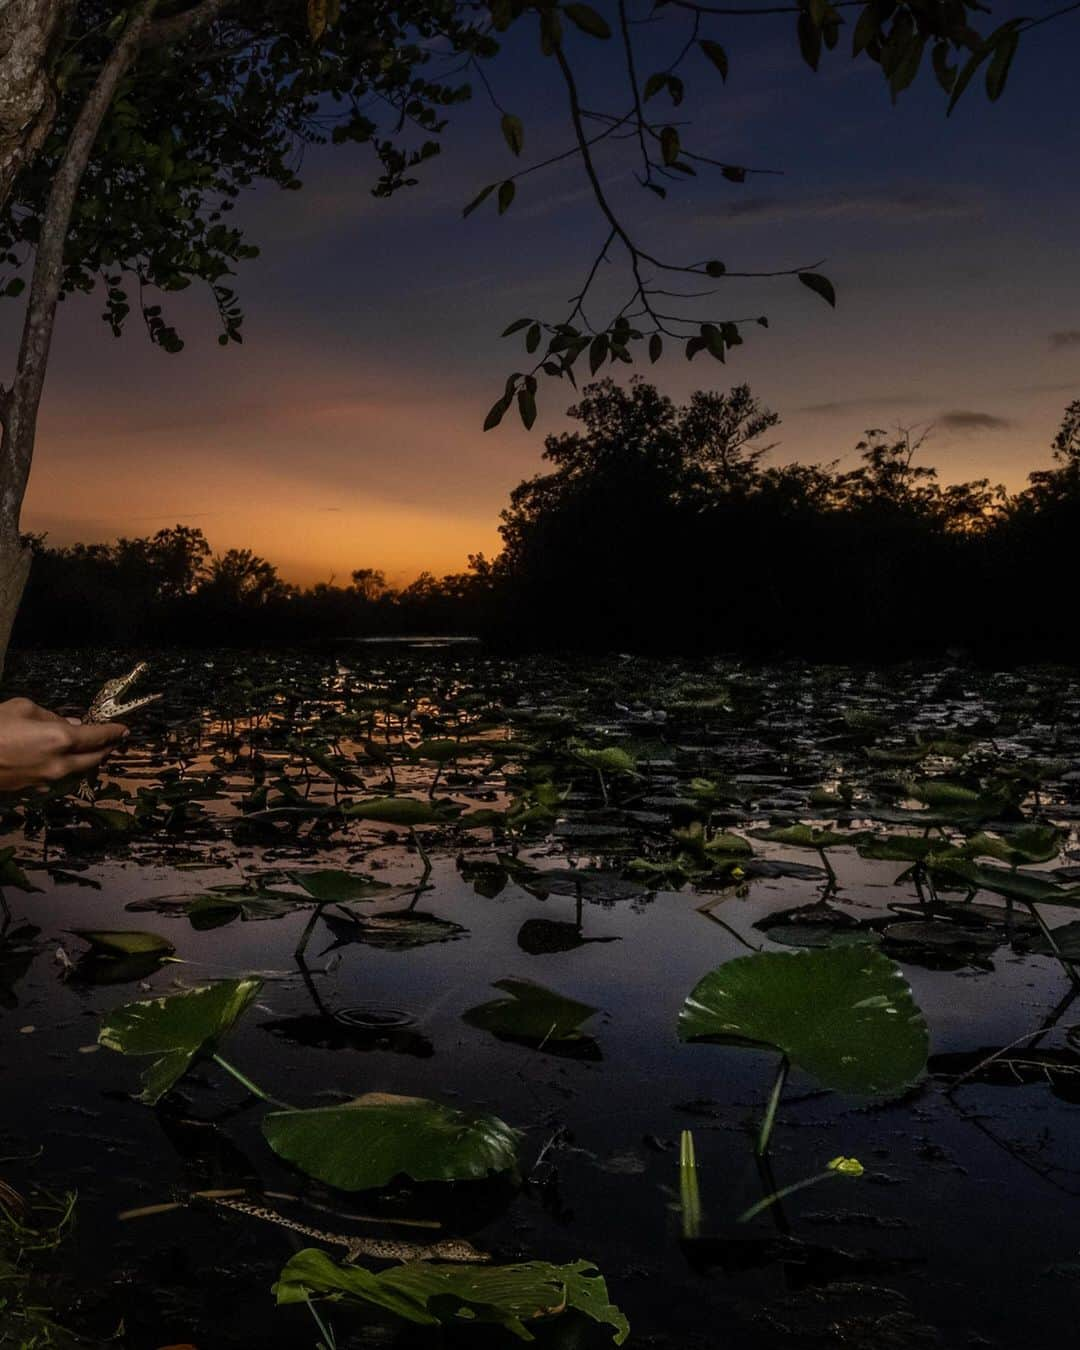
333,887
176,1029
125,942
514,1297
814,925
366,1143
1013,884
405,811
844,1015
531,1013
398,931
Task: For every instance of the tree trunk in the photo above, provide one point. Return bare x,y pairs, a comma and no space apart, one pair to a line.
28,30
14,569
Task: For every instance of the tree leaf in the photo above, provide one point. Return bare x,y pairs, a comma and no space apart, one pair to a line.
716,55
507,191
527,407
366,1143
1001,62
175,1030
513,132
820,286
514,1297
496,413
588,20
669,145
844,1015
317,18
809,40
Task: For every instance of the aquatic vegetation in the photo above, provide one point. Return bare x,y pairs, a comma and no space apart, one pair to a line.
435,825
517,1297
176,1030
845,1015
367,1143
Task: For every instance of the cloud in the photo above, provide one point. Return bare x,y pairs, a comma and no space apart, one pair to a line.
1066,337
902,206
964,420
847,405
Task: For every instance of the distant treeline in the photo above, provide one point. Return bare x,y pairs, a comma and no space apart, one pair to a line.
657,527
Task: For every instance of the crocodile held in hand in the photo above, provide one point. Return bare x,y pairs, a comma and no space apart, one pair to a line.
106,706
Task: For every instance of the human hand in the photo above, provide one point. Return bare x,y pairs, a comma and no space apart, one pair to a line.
39,748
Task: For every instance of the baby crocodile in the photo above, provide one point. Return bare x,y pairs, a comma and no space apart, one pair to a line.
106,707
379,1249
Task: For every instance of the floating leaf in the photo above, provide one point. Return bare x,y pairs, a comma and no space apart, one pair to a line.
399,811
130,942
398,931
367,1142
333,887
513,1297
844,1015
175,1030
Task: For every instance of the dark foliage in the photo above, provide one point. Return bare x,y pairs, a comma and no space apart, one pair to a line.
657,527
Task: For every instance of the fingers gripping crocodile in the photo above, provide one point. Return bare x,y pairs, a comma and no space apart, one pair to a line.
106,705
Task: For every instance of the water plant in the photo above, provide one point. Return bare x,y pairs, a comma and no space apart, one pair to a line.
844,1015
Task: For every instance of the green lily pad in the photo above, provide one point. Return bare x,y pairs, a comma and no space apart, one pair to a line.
843,1014
333,887
514,1297
1030,844
175,1030
406,811
806,836
366,1143
125,942
1029,887
531,1013
397,930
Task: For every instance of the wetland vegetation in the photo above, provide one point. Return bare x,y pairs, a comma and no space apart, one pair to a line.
375,998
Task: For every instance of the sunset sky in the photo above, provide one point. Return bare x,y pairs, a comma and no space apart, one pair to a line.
346,431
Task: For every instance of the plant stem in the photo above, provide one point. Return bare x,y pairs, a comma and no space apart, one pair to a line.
305,936
782,1194
690,1196
329,1343
423,855
246,1082
765,1133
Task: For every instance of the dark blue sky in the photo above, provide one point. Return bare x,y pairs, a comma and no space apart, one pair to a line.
346,431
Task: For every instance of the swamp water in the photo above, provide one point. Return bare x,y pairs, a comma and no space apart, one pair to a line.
595,829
